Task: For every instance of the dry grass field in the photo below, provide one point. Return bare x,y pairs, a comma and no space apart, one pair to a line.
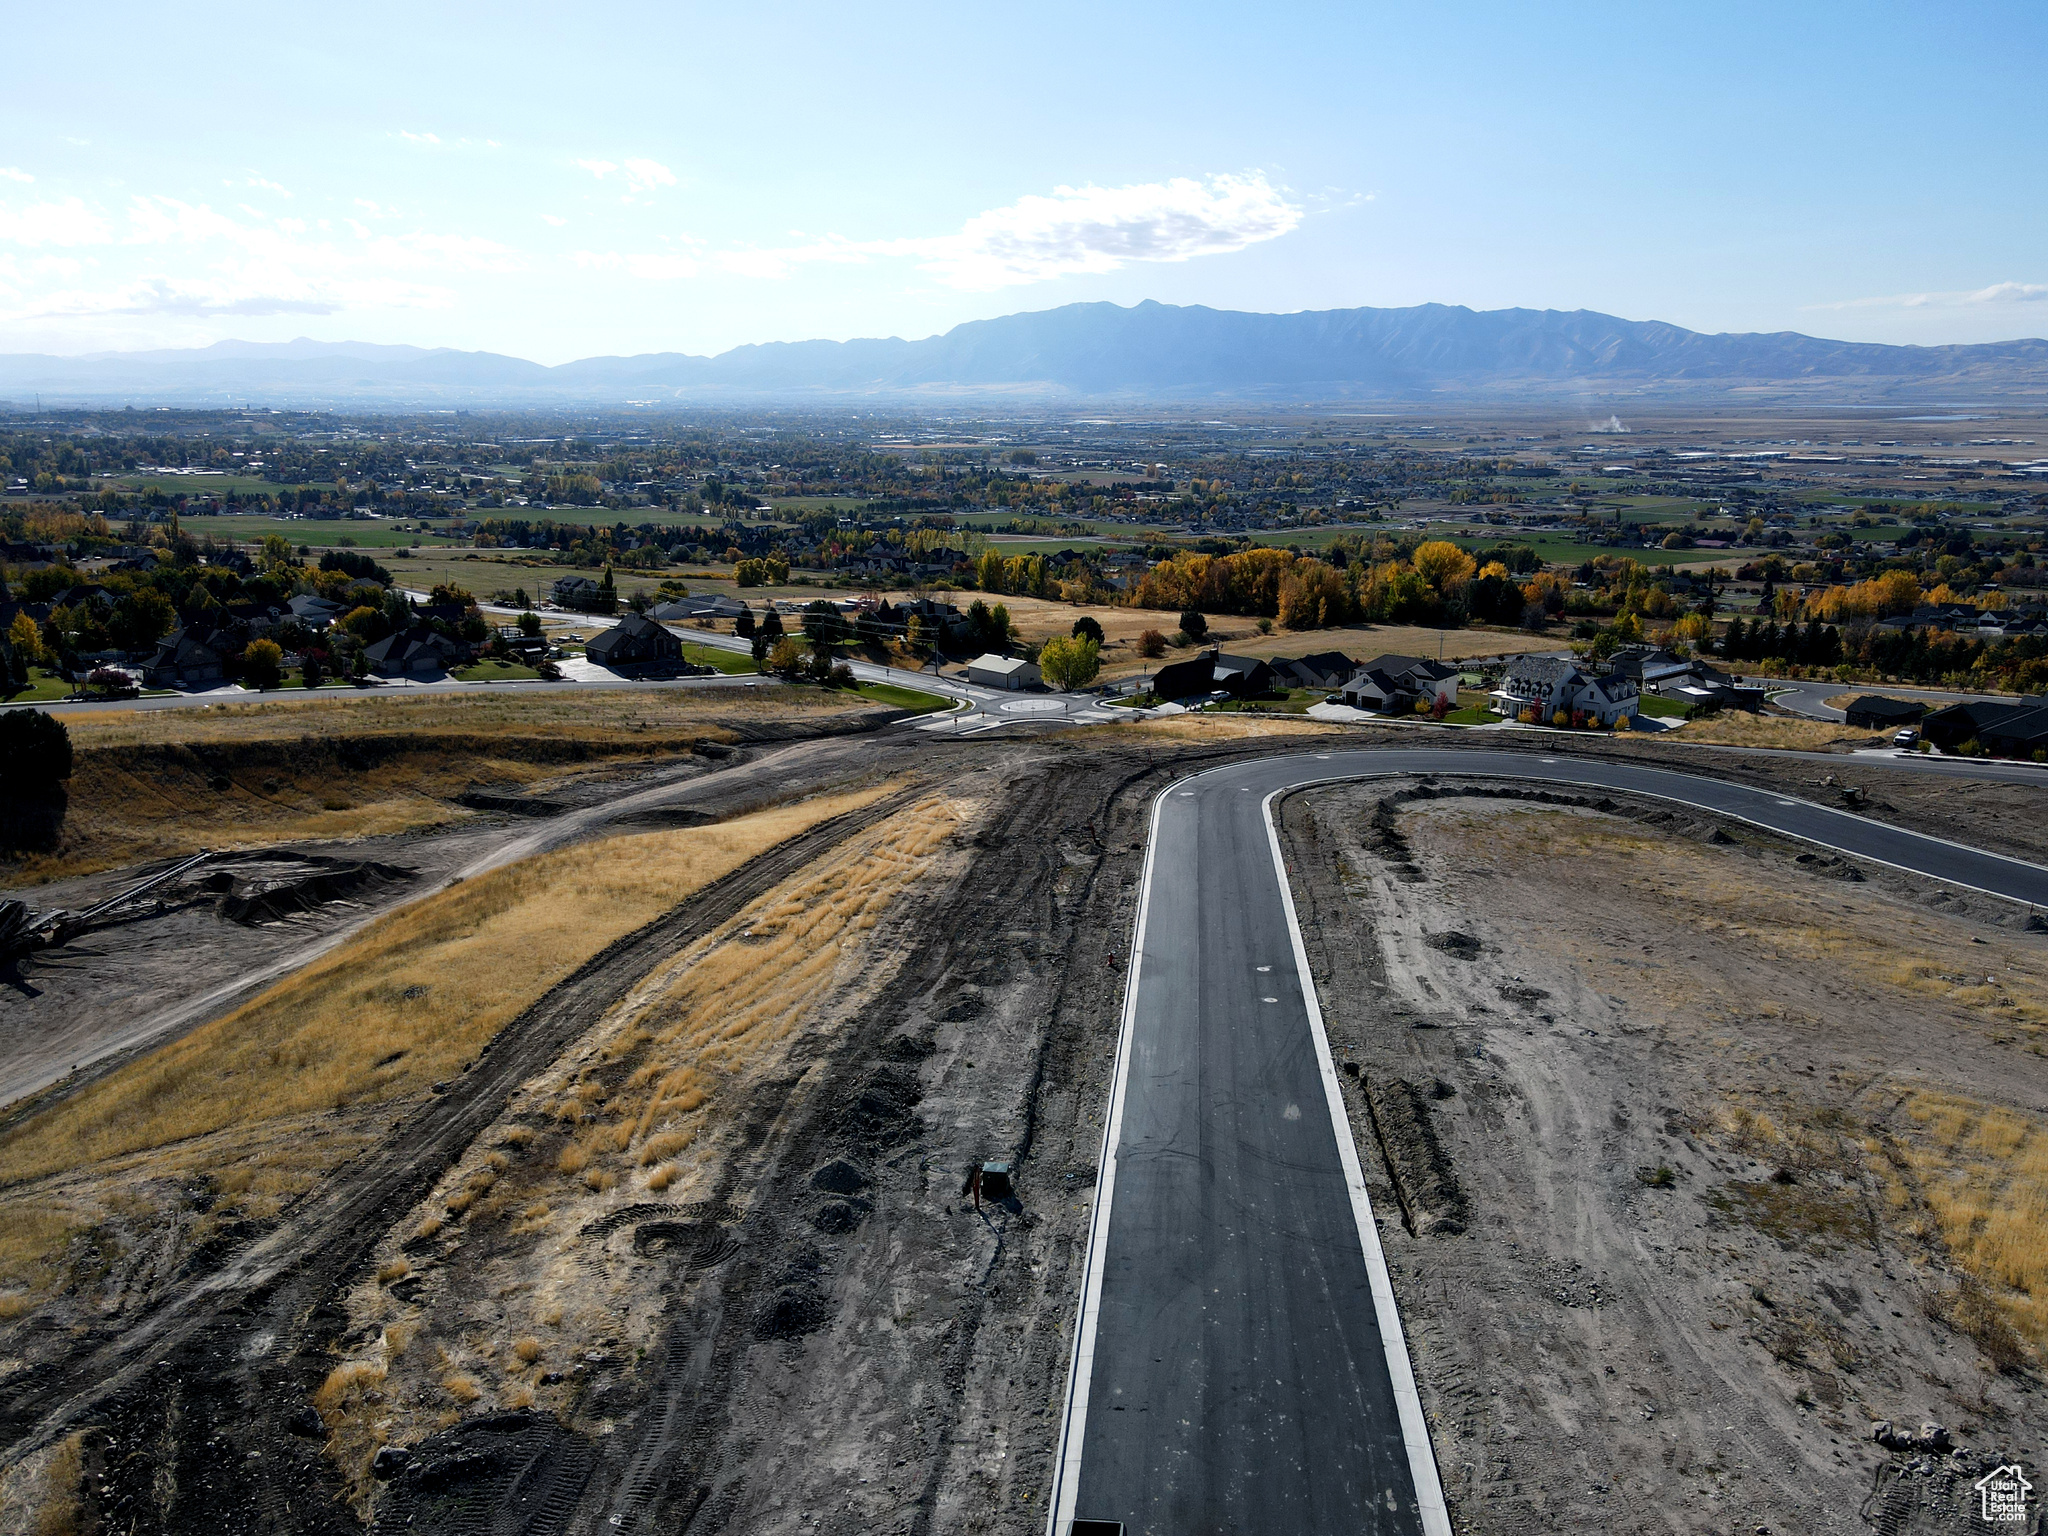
258,1103
1734,729
563,713
1037,620
166,783
651,1107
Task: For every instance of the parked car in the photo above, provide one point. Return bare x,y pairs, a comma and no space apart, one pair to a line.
1906,738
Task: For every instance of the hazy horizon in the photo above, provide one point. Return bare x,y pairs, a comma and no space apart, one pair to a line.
647,180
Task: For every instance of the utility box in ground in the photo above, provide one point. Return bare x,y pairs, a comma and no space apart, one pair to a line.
995,1181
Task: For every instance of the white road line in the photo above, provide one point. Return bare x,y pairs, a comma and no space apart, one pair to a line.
1429,1489
1067,1468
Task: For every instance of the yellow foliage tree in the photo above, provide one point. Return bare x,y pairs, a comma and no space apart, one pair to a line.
1442,564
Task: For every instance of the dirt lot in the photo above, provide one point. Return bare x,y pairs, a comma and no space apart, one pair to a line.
1731,1156
687,1243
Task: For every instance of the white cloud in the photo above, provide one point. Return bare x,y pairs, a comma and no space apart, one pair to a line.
419,138
267,186
1996,294
1074,230
598,168
645,175
1099,229
68,222
554,219
14,173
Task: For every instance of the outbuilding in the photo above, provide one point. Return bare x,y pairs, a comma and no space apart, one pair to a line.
1008,672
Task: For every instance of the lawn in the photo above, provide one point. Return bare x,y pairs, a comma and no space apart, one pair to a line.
489,671
732,663
42,687
1663,709
903,698
1471,715
1296,701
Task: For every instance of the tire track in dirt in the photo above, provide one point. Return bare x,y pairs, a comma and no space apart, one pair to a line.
249,1330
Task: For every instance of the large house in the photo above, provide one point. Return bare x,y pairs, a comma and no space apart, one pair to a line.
185,659
2019,729
1396,684
688,610
1327,670
1245,676
315,612
415,651
1544,686
635,641
581,592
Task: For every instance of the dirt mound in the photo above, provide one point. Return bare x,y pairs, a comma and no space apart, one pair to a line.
277,889
1424,1181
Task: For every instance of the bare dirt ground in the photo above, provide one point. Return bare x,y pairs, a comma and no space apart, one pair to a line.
688,1244
1689,1158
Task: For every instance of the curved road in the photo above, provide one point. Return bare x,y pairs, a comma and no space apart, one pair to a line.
1239,1364
1811,698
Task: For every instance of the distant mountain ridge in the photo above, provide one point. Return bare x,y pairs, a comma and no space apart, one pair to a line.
1431,352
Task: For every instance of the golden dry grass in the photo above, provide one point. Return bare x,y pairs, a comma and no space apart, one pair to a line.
60,1513
695,1039
564,714
1733,728
1038,619
1983,1172
721,1013
144,784
405,1004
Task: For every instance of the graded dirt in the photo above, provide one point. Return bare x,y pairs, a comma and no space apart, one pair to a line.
1733,1157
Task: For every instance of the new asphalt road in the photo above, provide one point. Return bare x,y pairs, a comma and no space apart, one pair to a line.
1239,1365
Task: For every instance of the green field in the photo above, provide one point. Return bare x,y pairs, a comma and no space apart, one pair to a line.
208,485
317,533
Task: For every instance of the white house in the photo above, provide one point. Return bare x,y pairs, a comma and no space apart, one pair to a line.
1547,684
1011,672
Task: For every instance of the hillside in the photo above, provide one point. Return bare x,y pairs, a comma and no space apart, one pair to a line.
1434,352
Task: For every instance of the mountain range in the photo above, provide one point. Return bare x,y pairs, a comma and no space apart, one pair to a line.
1429,353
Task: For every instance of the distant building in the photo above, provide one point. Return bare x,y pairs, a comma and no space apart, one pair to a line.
580,592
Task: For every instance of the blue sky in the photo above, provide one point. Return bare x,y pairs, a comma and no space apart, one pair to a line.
563,181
